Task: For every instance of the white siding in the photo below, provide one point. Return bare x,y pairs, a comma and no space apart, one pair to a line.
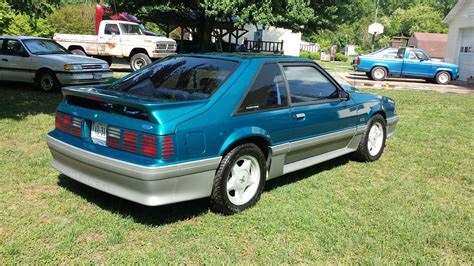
462,20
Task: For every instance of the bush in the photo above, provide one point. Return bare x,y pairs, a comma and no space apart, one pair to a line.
341,57
304,54
310,55
314,56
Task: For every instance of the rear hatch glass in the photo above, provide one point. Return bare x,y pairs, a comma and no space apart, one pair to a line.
177,78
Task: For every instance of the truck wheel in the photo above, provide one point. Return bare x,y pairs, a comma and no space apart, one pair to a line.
443,77
139,60
239,180
47,80
378,73
78,52
369,75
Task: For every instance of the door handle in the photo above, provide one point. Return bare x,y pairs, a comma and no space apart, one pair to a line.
300,116
3,59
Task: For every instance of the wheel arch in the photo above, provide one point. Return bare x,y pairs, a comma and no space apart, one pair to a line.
450,72
137,50
257,136
41,70
379,65
76,47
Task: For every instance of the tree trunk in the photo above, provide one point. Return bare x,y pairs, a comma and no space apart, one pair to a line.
204,30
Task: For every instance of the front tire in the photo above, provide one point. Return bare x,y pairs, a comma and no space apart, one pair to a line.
47,80
378,73
373,140
443,77
139,60
239,180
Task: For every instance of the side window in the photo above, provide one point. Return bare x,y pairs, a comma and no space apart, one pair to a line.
401,53
13,47
111,29
268,91
421,55
1,46
307,84
412,55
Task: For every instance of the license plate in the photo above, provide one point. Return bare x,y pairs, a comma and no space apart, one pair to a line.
97,75
99,133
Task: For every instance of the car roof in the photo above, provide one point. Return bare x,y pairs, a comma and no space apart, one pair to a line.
248,56
23,38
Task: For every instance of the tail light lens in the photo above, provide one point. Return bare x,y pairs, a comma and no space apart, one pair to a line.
69,124
140,143
358,61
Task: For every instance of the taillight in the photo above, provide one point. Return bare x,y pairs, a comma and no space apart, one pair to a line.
149,145
140,143
167,147
68,124
358,61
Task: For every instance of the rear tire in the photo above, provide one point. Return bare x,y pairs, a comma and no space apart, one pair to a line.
78,52
139,60
378,73
47,80
372,144
239,180
443,77
369,75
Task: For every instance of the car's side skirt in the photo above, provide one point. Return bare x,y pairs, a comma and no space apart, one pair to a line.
279,165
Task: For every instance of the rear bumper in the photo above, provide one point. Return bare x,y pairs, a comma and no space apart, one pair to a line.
391,125
83,78
151,186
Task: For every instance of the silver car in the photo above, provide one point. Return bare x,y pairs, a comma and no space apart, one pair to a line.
43,61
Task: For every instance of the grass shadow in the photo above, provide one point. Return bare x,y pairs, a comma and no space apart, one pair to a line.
171,213
22,99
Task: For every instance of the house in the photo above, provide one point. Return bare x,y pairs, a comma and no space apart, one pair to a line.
434,44
460,48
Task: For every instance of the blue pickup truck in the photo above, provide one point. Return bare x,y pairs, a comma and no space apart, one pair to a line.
407,62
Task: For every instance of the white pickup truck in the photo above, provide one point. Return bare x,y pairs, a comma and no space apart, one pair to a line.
119,39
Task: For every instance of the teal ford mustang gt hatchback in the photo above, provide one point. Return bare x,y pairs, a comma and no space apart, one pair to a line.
210,125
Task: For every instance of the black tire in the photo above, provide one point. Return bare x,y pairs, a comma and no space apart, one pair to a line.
47,80
369,75
139,60
363,154
443,77
220,200
78,52
378,73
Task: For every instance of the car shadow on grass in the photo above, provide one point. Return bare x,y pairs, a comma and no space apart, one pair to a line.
171,213
19,100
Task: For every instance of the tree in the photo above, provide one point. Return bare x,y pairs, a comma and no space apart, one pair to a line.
417,18
290,14
76,19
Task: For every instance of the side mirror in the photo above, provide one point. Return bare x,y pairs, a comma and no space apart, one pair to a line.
24,53
344,95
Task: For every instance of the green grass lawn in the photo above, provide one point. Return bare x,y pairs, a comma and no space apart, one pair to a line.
337,66
415,205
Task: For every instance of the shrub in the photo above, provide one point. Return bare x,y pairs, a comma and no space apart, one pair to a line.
304,54
314,56
341,57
